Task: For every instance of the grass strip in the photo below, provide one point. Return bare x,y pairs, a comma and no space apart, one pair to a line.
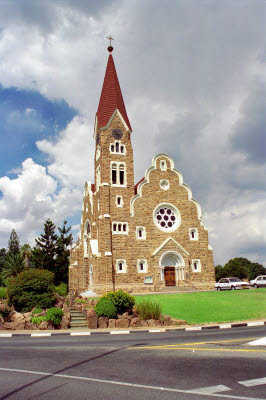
204,307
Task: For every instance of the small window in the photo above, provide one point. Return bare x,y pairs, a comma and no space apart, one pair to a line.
193,234
121,266
112,148
140,233
120,228
122,149
119,201
117,147
196,266
163,165
142,266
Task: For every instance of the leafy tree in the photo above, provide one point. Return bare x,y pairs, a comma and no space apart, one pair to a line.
13,243
46,248
3,253
14,264
62,263
218,272
241,268
26,253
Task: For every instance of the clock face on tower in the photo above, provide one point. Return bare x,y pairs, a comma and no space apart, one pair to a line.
117,134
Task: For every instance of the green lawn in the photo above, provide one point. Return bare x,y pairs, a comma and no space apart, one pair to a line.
222,306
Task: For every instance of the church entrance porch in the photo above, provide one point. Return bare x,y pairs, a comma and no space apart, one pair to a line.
169,276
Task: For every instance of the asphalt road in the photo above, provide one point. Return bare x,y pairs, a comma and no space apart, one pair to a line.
173,365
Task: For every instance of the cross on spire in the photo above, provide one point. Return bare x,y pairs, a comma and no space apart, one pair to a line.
110,47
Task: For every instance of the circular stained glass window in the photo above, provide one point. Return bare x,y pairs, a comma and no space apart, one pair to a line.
167,217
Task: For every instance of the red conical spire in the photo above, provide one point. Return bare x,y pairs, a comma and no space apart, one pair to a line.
111,96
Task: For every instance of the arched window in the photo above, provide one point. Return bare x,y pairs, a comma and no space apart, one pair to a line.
121,174
196,265
193,233
121,266
140,232
114,174
142,266
88,229
117,147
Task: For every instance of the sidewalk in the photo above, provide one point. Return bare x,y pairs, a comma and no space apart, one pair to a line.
115,331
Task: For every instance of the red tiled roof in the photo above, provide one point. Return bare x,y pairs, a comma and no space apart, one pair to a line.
137,184
111,97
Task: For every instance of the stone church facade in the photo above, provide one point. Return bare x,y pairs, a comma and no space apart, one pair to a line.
138,237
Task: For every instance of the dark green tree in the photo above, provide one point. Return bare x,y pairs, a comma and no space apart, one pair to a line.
13,243
46,248
241,268
63,253
218,272
3,254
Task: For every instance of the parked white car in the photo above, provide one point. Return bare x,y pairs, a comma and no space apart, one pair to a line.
260,281
231,284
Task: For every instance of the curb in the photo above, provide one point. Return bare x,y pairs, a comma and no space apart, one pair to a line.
117,332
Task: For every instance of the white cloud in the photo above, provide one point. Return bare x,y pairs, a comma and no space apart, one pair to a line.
194,89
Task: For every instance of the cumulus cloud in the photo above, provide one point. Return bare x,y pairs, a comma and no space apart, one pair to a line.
194,89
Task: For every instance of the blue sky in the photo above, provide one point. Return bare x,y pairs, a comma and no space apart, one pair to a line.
195,89
26,116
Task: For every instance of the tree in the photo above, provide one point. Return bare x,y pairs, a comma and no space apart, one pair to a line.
62,263
241,268
13,243
46,247
14,264
26,253
3,253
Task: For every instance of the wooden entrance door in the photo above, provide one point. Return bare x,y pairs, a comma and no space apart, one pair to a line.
169,276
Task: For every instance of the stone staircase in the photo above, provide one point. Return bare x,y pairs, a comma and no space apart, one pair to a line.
78,321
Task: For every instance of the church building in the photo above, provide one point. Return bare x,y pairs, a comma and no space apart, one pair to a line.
140,237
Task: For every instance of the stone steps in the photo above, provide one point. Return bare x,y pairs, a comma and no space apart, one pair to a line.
77,320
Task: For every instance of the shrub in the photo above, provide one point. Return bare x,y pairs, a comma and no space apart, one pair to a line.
37,310
149,309
106,308
61,289
31,288
38,320
54,315
123,301
3,293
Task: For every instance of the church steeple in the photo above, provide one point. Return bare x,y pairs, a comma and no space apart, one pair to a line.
111,97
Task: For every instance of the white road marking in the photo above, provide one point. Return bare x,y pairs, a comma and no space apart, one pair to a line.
259,323
118,332
79,333
224,326
253,382
211,389
134,385
5,334
40,334
156,330
258,342
195,328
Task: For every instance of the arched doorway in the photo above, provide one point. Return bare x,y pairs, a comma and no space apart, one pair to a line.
172,268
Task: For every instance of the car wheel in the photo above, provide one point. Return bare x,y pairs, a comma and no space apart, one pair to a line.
219,288
255,286
233,287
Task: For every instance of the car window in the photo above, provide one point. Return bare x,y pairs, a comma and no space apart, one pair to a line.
223,281
234,280
259,279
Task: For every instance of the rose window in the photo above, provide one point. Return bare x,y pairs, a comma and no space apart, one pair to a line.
167,217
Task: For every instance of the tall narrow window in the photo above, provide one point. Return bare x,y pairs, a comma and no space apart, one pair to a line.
114,174
117,147
121,174
120,266
119,227
98,177
112,148
122,149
